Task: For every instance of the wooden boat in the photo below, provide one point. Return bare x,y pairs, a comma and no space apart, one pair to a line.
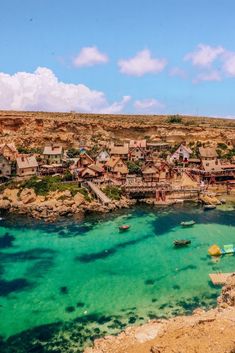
124,227
187,223
215,250
181,243
209,207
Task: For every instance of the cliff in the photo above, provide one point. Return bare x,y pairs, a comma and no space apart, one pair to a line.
36,129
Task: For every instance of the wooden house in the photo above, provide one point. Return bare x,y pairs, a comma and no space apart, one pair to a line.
137,150
9,151
182,154
5,167
53,154
211,165
92,171
150,172
208,153
117,168
119,151
103,157
84,160
26,166
165,171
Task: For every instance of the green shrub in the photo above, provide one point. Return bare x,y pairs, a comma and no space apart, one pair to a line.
73,152
134,167
68,176
84,192
26,150
174,119
222,146
113,192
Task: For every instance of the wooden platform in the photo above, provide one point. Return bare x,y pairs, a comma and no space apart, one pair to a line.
219,278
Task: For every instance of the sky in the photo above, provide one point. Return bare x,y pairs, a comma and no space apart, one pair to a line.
125,56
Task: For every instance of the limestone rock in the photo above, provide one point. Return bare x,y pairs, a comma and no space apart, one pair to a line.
79,199
28,196
5,204
228,293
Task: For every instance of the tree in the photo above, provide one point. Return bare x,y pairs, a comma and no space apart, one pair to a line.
134,167
73,152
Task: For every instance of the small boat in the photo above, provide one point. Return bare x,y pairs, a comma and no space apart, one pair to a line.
187,223
215,250
209,207
124,227
181,243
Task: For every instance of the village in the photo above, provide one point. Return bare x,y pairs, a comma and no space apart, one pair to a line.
156,172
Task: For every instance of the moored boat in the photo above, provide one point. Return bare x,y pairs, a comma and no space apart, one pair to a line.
124,227
187,223
209,207
181,243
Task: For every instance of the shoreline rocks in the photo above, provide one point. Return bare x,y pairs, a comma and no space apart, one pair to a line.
55,204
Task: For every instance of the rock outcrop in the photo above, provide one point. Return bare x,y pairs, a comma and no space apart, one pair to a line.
203,332
36,129
54,204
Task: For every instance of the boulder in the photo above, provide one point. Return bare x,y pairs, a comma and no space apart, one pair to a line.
228,293
11,194
79,199
28,196
5,204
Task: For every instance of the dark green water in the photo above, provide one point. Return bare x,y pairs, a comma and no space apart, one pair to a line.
64,284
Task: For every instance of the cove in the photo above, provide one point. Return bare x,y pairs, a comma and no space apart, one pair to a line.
64,284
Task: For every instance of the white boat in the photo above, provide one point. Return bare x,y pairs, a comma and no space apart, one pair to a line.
209,207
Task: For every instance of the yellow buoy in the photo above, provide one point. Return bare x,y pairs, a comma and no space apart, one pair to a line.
214,250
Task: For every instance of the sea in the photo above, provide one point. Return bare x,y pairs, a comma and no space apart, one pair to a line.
64,284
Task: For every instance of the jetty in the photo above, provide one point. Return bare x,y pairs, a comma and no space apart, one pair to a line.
219,278
105,200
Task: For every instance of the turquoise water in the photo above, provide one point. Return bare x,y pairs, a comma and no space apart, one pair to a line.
64,284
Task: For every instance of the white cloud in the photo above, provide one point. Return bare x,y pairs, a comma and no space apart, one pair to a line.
41,90
141,64
204,55
177,71
90,56
213,75
229,64
147,105
116,107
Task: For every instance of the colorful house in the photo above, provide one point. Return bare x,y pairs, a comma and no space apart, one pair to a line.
137,150
103,157
84,160
53,154
182,154
150,172
117,168
92,171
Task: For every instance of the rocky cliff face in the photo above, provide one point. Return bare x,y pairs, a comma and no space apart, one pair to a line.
37,129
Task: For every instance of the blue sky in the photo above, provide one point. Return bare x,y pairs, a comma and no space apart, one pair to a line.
151,56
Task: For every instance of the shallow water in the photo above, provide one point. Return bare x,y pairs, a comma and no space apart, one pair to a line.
66,283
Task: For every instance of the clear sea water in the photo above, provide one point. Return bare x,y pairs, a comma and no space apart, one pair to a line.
64,284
